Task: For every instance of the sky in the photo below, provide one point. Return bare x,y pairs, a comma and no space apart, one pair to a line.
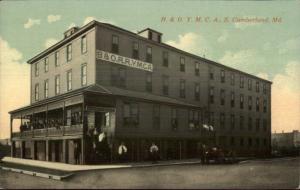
266,49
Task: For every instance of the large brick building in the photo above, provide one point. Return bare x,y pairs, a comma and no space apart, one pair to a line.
102,79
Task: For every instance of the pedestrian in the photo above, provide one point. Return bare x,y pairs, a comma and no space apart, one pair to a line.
203,154
154,153
122,151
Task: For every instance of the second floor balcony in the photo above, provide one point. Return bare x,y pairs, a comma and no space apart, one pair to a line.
50,132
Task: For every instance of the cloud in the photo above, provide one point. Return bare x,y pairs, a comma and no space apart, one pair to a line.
223,36
14,82
53,18
286,99
50,42
31,22
289,45
267,46
88,19
263,76
191,42
71,25
238,59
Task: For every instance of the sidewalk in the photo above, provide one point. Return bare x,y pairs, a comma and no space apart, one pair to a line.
73,168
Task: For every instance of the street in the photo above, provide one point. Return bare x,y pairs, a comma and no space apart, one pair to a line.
276,173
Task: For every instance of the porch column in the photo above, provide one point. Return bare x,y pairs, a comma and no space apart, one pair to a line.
11,138
47,150
64,114
64,151
82,151
21,149
33,150
180,150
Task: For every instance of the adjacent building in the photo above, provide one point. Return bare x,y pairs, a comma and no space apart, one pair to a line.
286,143
102,85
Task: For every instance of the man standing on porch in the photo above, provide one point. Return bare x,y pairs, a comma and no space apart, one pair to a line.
122,151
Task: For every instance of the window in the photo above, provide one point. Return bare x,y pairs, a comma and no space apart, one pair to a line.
149,55
257,142
57,84
242,101
130,114
149,82
197,68
264,88
69,80
36,69
197,91
265,142
150,35
232,141
118,76
135,50
257,86
257,104
159,38
165,59
241,82
257,124
46,88
36,92
182,64
83,75
222,76
265,105
232,79
122,74
56,58
249,84
249,124
242,122
69,52
242,141
250,102
232,122
249,142
174,119
83,44
265,124
156,116
211,75
232,99
115,44
194,120
211,95
182,89
222,97
46,62
222,121
165,85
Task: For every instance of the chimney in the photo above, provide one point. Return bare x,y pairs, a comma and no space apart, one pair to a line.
151,34
70,31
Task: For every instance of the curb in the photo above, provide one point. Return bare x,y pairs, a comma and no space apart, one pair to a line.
38,174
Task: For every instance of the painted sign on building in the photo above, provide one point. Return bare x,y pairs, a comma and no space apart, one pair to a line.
118,59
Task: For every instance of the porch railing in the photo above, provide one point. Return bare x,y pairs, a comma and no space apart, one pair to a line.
53,131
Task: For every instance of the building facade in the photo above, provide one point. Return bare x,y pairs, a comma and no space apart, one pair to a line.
286,143
102,85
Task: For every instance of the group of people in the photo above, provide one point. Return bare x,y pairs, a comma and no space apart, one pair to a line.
41,124
216,154
153,150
